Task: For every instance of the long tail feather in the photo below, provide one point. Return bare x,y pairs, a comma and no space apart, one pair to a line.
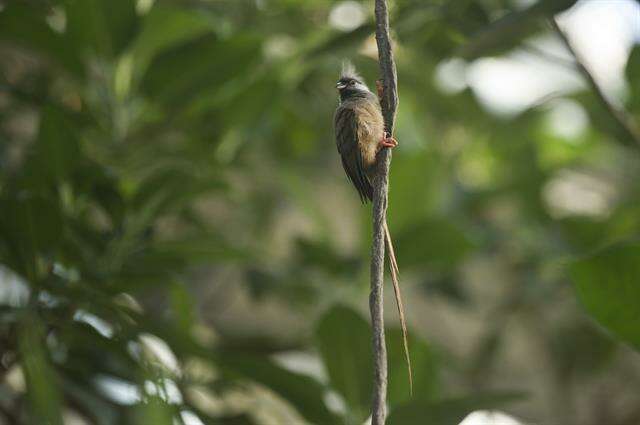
395,273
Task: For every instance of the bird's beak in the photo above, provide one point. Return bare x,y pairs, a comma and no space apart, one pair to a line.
340,85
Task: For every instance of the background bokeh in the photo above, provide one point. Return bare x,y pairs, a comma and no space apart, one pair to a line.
179,244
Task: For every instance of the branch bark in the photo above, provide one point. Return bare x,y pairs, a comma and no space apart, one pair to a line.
389,103
625,125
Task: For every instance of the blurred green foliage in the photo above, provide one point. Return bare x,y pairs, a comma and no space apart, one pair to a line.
160,160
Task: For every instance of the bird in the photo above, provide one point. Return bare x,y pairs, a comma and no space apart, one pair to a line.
360,134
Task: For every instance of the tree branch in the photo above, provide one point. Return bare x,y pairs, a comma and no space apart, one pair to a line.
625,125
389,103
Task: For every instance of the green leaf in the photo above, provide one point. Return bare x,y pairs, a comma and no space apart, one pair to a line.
170,188
101,27
448,412
311,253
122,22
26,26
608,286
154,411
344,341
632,72
426,382
508,31
42,386
32,226
183,73
57,146
166,27
342,42
435,242
92,179
86,26
182,306
81,392
584,233
420,170
303,392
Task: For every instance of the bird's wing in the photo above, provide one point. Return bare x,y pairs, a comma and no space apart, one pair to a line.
347,142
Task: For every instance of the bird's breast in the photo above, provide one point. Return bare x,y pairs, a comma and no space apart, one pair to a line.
370,131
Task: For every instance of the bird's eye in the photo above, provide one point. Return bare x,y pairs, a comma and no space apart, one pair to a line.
352,83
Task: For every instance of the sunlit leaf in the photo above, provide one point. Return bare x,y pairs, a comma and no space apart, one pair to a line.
608,286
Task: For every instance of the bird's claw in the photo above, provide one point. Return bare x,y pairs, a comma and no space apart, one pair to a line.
387,141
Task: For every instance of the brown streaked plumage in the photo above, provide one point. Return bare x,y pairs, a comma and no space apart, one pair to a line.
360,134
359,128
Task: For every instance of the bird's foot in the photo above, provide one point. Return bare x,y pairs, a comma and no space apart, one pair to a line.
387,142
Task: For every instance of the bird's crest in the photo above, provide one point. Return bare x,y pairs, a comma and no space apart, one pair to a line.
349,72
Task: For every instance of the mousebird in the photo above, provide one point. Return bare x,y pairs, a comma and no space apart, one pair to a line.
360,134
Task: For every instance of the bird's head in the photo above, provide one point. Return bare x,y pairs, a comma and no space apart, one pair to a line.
351,83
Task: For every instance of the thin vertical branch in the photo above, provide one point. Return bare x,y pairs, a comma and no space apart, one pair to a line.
389,102
621,119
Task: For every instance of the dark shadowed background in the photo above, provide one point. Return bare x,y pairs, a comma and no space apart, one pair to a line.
179,244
